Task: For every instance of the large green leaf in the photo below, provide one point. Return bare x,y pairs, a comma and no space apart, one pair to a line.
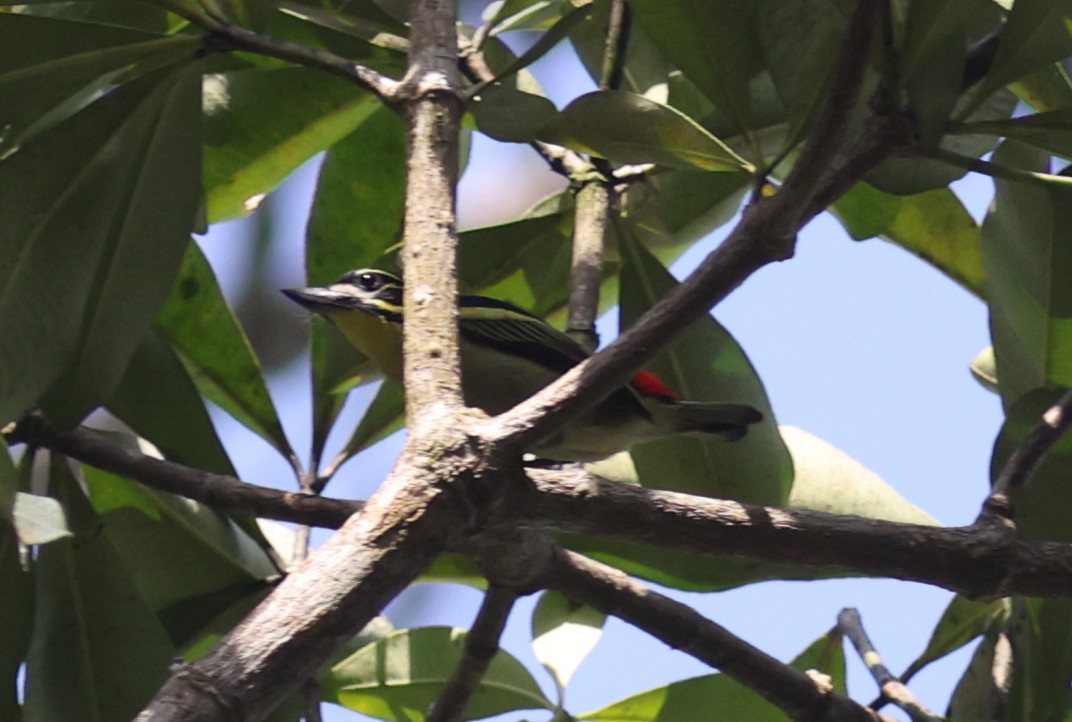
356,216
827,479
933,225
105,202
706,364
384,416
715,43
962,621
147,232
261,124
211,562
159,401
718,697
398,677
202,328
629,128
644,68
1035,35
48,65
1050,131
98,651
1027,247
800,39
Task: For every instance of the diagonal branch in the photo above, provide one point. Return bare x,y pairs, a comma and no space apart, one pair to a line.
679,626
893,689
481,646
229,36
998,509
766,233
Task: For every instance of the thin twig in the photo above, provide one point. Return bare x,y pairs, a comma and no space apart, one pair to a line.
615,45
481,646
852,626
1024,461
679,626
234,37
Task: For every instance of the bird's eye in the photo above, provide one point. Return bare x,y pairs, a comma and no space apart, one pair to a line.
369,281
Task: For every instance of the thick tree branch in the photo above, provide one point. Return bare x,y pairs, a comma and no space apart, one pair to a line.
481,646
679,626
766,233
973,560
1024,461
893,689
233,37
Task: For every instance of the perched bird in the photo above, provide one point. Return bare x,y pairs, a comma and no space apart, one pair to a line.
507,355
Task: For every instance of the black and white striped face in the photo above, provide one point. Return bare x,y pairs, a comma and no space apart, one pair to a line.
366,289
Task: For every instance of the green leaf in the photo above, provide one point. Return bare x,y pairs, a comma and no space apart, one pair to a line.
1027,247
929,26
1041,506
511,115
1045,89
962,621
705,365
398,677
38,519
1036,34
150,227
934,226
629,128
800,40
385,415
563,634
261,124
827,479
546,41
694,700
933,94
211,562
104,201
356,216
715,43
98,651
1042,659
1050,131
159,401
985,370
16,622
644,67
202,328
9,483
46,64
976,692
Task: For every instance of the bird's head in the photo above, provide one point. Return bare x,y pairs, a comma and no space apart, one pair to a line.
365,289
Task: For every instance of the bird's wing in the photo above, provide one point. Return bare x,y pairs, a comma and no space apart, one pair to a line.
502,325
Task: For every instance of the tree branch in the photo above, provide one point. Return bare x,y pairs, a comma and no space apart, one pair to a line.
225,494
481,646
893,689
233,37
766,233
999,509
970,560
679,626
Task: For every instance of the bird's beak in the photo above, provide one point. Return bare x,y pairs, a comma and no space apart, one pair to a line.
318,299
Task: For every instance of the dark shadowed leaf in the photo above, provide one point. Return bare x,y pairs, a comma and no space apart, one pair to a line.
105,201
1050,131
384,416
1027,246
398,677
159,401
196,320
16,621
510,115
98,651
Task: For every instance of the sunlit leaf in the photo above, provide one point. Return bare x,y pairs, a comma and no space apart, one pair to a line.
398,677
38,519
563,634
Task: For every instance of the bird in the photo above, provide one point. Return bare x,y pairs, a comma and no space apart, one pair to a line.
507,355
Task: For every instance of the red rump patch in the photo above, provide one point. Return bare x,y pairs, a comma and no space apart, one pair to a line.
649,384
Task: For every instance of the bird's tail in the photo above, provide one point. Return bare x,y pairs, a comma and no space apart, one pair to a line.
728,422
